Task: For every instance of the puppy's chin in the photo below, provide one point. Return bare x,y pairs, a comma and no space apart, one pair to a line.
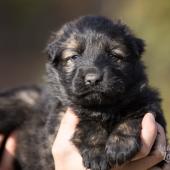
97,95
95,99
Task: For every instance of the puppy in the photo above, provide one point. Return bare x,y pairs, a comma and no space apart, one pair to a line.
94,66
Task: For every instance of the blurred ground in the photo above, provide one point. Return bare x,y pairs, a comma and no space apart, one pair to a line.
26,24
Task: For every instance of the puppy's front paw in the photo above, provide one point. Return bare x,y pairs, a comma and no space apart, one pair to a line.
95,161
122,148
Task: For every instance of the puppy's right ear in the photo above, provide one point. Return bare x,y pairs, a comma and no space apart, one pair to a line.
53,52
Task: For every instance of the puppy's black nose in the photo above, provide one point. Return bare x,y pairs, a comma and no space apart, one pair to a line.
92,78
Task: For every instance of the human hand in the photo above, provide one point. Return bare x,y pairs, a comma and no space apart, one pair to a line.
7,159
146,159
66,156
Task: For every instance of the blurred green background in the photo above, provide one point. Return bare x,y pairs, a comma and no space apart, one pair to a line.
25,26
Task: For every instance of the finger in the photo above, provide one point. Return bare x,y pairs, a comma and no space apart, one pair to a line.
157,155
68,125
160,145
65,132
166,167
148,135
11,144
9,153
155,168
145,163
63,150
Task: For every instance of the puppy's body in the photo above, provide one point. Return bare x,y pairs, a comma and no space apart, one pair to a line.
94,67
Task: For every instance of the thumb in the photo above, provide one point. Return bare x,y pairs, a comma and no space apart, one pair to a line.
68,125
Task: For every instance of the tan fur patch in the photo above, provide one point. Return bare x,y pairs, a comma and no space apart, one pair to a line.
125,128
60,32
28,97
69,67
68,53
119,48
71,48
114,139
120,52
71,43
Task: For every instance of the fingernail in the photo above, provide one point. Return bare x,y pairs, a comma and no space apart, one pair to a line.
151,116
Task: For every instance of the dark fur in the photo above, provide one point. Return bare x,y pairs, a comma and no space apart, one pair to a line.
95,67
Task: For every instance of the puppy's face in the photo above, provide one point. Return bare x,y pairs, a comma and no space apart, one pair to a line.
95,60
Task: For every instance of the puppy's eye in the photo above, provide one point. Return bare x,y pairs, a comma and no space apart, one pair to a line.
116,56
110,55
73,57
70,59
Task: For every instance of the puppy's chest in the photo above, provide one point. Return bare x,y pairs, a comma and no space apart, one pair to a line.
106,118
103,115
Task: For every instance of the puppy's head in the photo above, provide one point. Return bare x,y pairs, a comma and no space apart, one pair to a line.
93,60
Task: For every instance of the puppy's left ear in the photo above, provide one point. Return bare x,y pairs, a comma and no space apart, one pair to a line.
138,47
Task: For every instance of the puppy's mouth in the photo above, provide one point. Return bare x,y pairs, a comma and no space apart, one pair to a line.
87,90
88,93
94,98
97,90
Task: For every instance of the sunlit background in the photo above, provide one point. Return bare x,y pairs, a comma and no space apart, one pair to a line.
25,26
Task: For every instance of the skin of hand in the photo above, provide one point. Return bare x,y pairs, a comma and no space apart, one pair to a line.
9,152
66,156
